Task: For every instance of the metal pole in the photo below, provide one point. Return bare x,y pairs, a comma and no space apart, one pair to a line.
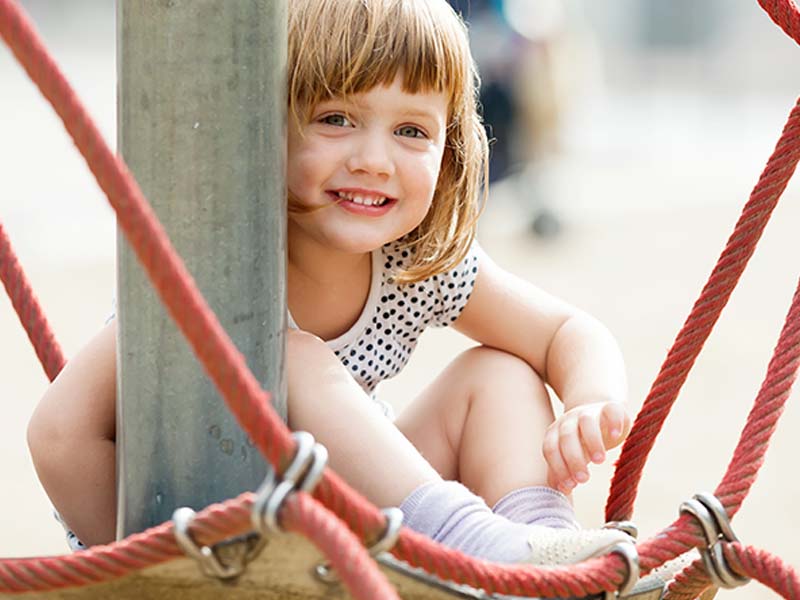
201,123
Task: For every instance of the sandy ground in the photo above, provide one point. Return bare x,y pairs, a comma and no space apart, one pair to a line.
647,200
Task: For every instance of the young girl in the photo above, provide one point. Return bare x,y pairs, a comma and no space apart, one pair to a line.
386,168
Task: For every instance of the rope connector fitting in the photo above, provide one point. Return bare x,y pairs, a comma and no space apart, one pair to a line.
394,521
301,475
627,551
239,551
716,525
629,554
628,527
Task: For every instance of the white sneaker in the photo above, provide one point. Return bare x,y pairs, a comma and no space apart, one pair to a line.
551,547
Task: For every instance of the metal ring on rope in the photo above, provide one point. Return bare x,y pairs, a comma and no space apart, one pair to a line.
630,555
628,527
710,514
248,547
394,521
628,552
302,475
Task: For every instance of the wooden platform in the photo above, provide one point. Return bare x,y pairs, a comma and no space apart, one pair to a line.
283,571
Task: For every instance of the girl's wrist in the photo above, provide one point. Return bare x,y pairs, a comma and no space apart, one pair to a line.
584,399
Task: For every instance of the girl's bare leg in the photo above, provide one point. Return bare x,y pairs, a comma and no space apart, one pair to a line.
72,440
72,433
482,422
365,448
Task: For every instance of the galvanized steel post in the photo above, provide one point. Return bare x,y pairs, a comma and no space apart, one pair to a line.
201,123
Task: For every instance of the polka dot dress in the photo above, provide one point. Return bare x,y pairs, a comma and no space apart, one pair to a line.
380,343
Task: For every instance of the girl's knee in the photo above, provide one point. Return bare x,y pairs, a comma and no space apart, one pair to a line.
490,366
300,342
311,366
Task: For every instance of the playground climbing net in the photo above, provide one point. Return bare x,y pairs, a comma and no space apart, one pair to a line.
319,504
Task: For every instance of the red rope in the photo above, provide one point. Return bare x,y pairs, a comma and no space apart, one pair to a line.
300,514
704,315
348,557
250,404
763,419
707,309
743,560
786,15
754,439
688,584
28,309
766,568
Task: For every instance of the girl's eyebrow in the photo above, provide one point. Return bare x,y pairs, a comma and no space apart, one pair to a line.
421,113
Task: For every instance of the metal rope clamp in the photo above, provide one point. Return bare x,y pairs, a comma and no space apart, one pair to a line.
394,521
302,474
716,526
238,552
629,554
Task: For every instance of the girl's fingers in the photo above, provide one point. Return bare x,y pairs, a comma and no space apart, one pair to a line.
572,451
592,436
615,424
558,473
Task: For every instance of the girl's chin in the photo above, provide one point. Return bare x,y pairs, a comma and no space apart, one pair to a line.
351,247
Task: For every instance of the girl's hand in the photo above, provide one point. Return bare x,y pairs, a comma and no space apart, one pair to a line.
580,436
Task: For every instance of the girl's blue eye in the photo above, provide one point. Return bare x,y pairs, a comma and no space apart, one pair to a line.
411,131
337,120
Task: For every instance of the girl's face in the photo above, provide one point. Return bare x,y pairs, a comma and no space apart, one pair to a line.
373,160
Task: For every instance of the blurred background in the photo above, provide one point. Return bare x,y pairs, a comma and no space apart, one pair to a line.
628,135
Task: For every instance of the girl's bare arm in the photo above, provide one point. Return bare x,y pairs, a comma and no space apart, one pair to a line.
572,352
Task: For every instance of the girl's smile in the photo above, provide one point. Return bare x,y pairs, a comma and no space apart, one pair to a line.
369,203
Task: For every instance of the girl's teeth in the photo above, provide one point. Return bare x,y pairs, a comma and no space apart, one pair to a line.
355,199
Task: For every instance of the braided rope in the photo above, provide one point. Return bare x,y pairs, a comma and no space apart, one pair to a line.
701,320
689,583
744,560
29,310
303,514
763,566
754,439
299,514
785,14
249,402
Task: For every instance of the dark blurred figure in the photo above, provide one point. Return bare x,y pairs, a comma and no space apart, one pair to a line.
493,44
514,74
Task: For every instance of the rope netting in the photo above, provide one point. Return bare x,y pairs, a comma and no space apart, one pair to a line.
27,307
250,403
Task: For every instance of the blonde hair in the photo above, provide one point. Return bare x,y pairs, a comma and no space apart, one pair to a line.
338,48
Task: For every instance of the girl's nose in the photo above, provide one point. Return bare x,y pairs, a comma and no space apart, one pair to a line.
371,154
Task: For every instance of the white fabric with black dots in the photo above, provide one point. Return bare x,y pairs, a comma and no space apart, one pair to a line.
380,343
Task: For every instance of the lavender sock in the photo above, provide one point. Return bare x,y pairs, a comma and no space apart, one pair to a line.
537,505
449,513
